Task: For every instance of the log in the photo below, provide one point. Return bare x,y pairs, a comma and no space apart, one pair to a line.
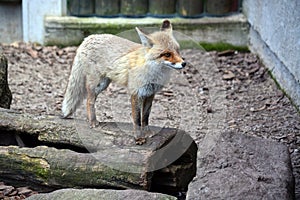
49,153
5,93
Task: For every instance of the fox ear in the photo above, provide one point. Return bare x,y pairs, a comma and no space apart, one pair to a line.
166,26
146,41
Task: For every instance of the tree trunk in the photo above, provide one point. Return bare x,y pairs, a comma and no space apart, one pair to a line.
51,153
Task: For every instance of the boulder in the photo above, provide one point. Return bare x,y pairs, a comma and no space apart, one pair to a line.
243,167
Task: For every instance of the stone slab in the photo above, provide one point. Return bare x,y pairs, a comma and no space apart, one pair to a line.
243,167
103,194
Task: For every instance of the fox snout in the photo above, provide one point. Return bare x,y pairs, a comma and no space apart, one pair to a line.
173,60
183,64
178,65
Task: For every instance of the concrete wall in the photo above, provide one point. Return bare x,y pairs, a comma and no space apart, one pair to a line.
10,21
34,12
275,36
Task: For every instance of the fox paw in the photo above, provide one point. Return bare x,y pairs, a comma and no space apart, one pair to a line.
94,124
140,141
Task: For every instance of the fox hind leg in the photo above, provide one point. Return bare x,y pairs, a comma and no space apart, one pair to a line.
92,94
104,83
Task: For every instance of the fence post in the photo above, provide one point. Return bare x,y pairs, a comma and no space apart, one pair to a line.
81,7
190,8
162,8
134,8
221,7
108,8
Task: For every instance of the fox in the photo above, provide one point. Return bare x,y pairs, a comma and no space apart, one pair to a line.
144,68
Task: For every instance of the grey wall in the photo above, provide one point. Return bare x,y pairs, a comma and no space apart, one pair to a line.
10,21
275,36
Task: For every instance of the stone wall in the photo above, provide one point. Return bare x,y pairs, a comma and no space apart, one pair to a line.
274,36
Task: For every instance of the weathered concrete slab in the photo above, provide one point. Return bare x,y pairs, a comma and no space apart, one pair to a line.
71,30
95,194
243,167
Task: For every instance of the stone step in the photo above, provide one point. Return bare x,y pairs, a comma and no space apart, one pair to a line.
68,30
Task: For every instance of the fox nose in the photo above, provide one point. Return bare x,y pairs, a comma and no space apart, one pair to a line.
183,64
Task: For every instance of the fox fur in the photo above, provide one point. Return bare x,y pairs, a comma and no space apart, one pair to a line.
143,68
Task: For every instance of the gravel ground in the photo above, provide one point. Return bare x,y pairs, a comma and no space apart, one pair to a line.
247,96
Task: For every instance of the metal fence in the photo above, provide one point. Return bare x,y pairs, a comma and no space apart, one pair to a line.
154,8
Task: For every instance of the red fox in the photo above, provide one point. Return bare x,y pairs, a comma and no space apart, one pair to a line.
144,68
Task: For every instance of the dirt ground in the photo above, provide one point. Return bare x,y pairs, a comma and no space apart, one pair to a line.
232,83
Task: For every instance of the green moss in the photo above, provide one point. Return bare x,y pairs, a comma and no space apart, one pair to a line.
83,176
222,47
20,163
190,44
37,166
284,92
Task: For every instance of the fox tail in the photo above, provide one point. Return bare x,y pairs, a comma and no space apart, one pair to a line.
76,91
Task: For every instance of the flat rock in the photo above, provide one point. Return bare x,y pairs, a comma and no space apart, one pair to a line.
103,194
243,167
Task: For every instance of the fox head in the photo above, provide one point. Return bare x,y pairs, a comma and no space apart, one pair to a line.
162,46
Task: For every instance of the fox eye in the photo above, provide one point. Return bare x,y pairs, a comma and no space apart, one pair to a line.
167,55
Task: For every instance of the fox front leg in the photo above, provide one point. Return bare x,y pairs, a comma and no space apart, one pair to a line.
141,107
145,112
136,118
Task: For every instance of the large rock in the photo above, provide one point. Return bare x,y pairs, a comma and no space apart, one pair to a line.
5,93
243,167
95,194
